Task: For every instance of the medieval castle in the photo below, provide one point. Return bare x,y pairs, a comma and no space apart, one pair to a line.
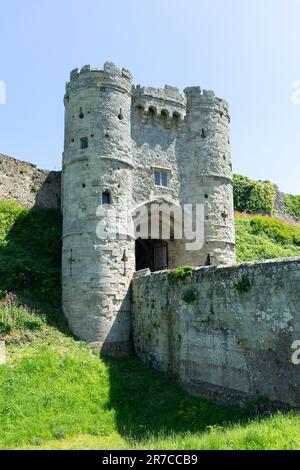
223,330
128,146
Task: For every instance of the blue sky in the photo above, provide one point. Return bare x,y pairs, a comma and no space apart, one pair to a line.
247,51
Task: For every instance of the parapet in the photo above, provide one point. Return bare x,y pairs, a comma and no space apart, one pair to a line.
204,99
168,94
110,75
165,106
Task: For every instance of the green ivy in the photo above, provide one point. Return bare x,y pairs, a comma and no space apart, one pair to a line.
292,205
189,297
253,196
243,285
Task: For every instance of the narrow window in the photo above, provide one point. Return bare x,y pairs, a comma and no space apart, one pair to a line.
164,118
164,179
176,120
161,178
151,115
84,143
140,111
157,178
105,198
208,260
81,115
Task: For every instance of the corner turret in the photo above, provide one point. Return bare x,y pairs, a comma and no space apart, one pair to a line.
98,257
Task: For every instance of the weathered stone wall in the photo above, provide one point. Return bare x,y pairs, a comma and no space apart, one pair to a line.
223,332
28,185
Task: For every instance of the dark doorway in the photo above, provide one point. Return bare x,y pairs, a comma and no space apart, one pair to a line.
152,254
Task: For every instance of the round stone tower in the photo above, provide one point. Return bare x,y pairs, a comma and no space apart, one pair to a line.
98,246
207,174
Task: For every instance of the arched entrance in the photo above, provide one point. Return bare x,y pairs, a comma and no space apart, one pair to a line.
155,223
152,254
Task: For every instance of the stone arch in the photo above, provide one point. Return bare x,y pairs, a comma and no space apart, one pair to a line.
155,221
140,110
164,118
176,120
152,113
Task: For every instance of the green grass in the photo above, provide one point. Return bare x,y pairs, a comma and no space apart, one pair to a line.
17,318
262,237
56,393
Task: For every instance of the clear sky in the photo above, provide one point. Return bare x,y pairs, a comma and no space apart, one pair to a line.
247,51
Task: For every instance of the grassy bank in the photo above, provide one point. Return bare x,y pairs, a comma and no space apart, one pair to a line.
261,237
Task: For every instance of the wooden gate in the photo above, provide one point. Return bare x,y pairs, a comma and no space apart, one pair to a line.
160,256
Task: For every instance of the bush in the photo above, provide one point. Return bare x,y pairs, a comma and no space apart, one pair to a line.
253,196
181,273
292,206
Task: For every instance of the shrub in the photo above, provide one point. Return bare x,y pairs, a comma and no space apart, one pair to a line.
253,196
182,272
292,206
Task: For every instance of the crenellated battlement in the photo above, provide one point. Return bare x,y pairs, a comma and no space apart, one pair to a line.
159,106
201,99
168,94
109,76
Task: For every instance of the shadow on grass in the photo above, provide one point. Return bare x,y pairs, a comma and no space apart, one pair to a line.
149,402
30,259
